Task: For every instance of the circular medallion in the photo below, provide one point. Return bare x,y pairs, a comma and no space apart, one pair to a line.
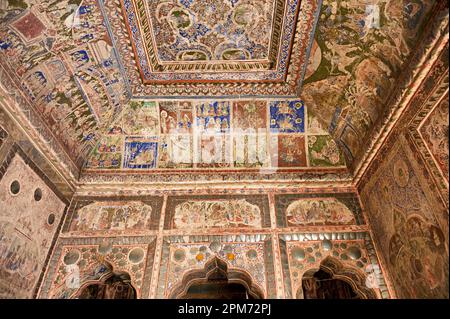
298,253
252,254
401,173
71,257
136,255
179,255
354,252
15,187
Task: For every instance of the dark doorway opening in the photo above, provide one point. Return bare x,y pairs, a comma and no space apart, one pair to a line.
217,290
323,285
117,286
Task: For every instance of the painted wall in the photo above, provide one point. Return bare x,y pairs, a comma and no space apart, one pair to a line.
29,216
405,193
164,239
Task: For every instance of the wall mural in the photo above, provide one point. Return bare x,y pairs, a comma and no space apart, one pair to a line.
120,238
223,214
112,216
358,53
26,235
408,221
116,215
204,134
209,212
327,209
434,131
62,56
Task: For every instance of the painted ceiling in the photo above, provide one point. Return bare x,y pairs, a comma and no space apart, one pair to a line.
211,84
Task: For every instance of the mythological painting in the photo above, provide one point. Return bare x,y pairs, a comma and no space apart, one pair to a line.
107,154
118,215
351,72
140,153
62,55
288,151
411,223
434,131
204,134
213,117
417,249
209,212
27,234
113,216
141,118
176,151
323,151
303,210
176,117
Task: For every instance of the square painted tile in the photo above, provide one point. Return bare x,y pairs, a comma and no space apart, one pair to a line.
140,153
287,117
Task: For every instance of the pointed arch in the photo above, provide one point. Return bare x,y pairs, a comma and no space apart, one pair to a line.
216,269
337,270
110,285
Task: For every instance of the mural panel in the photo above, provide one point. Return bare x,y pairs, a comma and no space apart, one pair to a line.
217,212
141,153
176,117
288,151
213,117
314,210
324,151
249,116
115,215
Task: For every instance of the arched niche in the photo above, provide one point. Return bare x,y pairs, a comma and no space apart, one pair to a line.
111,285
334,273
217,281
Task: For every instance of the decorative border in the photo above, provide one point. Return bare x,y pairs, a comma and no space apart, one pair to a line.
135,13
303,39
